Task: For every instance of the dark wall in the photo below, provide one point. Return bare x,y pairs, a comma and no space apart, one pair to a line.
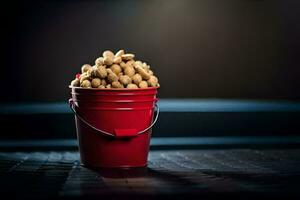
198,48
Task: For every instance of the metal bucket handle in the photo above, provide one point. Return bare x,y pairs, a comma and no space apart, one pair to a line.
72,105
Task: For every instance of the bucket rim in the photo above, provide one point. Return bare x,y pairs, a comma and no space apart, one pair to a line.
114,89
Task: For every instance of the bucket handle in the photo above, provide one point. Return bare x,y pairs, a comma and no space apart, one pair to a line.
72,105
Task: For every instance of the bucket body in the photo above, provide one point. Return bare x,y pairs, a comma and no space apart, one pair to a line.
120,114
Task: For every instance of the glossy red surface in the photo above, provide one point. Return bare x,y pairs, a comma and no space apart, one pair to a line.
121,112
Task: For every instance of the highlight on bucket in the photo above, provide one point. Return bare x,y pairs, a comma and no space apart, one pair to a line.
114,103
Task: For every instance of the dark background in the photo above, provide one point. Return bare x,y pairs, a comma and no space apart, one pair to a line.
198,48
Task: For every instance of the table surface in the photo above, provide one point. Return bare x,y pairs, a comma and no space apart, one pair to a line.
269,173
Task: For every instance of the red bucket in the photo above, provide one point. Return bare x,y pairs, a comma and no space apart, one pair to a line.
114,125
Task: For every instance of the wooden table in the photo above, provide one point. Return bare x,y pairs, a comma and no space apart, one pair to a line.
171,174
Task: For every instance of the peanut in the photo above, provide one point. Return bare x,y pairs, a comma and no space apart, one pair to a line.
125,80
116,68
85,68
75,83
99,61
96,82
90,72
108,86
120,53
132,86
130,63
83,77
120,74
152,81
117,84
108,60
108,53
143,84
101,86
145,66
123,64
127,56
143,73
101,72
86,84
129,71
138,63
111,76
103,82
137,79
117,60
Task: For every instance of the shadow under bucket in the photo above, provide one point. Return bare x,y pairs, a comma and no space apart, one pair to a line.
114,125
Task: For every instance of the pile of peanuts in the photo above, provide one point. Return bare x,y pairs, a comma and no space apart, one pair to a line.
118,70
